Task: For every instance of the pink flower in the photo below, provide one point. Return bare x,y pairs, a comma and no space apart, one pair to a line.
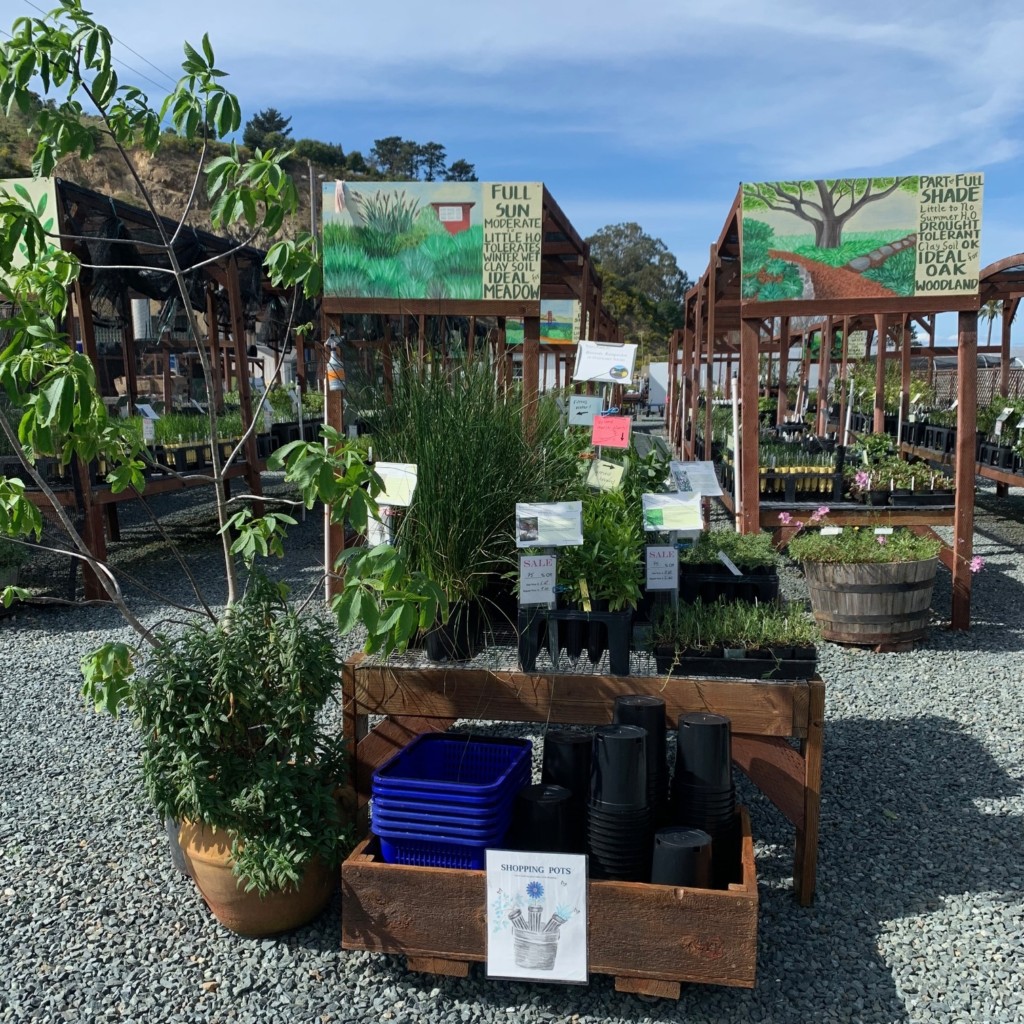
799,525
882,539
816,517
977,563
785,518
862,479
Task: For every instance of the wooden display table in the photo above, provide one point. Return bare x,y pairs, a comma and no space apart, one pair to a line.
765,716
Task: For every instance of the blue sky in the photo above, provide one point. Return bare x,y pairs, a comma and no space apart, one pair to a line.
651,111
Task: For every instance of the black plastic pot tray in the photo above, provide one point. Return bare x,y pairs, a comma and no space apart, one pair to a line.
594,632
754,666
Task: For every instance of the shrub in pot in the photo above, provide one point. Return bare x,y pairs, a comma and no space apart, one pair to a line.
230,715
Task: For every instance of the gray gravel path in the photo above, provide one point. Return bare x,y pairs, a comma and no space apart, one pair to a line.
920,908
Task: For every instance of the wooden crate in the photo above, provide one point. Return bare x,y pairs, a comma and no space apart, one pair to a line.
651,938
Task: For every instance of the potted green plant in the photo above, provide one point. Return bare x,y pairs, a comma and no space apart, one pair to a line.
702,573
234,748
868,585
735,639
475,458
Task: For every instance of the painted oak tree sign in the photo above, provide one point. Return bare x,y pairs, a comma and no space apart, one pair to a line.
861,238
432,240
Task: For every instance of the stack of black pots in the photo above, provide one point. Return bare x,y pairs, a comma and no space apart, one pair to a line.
567,764
648,713
703,792
619,817
544,819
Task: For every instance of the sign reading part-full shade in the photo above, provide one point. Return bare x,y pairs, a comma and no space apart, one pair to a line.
451,240
839,239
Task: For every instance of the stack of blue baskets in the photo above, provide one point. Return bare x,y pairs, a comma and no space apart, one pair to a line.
446,798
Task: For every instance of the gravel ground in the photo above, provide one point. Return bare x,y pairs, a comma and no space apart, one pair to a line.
919,906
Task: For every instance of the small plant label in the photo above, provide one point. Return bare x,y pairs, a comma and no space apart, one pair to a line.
662,567
583,409
729,563
537,579
537,916
883,531
148,431
147,411
611,431
831,531
1001,421
399,480
605,475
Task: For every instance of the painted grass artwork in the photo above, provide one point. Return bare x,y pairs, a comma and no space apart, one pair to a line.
834,261
387,243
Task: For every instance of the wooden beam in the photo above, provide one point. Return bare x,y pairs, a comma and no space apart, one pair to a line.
749,519
963,521
882,330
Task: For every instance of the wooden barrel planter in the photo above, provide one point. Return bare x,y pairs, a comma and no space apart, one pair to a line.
872,603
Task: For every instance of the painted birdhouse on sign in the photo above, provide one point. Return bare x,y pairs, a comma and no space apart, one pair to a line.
454,216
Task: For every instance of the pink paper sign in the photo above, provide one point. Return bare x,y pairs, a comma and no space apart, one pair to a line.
611,431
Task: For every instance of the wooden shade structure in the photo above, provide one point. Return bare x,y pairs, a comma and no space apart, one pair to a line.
720,325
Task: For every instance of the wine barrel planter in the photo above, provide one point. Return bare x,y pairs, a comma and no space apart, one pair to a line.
871,603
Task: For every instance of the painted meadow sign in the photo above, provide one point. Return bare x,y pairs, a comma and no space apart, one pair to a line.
433,240
839,239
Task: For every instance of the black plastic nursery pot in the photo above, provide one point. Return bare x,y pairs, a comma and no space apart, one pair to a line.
459,638
598,631
713,581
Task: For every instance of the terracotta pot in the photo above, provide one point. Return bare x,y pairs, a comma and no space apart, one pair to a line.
208,853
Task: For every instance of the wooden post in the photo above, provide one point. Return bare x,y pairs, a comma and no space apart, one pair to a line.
712,281
252,472
783,393
1009,308
748,519
334,533
904,407
882,328
824,358
388,361
471,341
844,390
963,515
531,371
501,350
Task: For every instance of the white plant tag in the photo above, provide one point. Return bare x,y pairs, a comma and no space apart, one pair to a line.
831,531
729,563
148,430
883,531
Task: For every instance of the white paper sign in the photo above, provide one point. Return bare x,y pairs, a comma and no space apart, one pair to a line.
662,567
605,475
695,476
147,411
399,479
672,512
555,524
583,409
537,579
602,361
537,916
1001,419
148,431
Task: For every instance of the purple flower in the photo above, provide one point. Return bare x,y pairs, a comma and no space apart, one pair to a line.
882,539
785,518
862,479
816,517
977,563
